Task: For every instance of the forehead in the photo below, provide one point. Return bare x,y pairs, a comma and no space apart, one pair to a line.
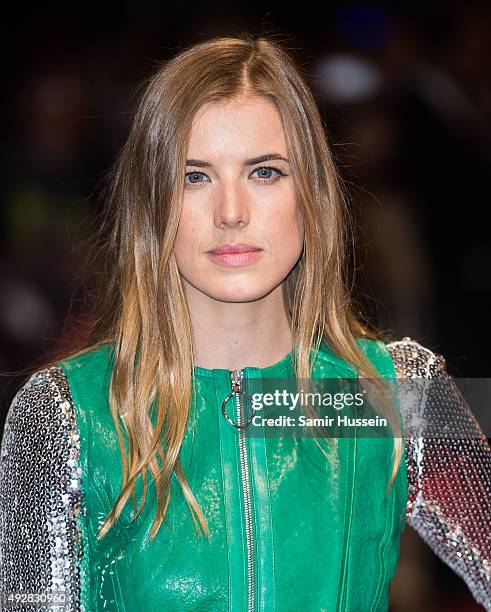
240,126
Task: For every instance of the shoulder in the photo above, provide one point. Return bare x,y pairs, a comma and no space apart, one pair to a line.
89,376
90,361
427,394
48,405
374,349
377,351
40,417
413,359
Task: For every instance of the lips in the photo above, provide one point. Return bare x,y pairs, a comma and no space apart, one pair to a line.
232,249
235,255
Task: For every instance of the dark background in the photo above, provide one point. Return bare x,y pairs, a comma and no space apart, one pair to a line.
405,93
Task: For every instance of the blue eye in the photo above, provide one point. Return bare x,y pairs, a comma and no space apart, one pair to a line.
268,179
194,175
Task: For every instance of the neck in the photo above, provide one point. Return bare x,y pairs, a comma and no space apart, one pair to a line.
232,335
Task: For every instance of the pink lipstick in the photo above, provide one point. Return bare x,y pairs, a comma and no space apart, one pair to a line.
235,254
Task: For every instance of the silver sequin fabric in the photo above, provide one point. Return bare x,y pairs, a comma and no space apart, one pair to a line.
41,505
449,478
41,485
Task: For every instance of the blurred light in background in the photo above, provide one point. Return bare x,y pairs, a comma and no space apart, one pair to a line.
347,79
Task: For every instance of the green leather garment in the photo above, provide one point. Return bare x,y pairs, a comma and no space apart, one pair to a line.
289,532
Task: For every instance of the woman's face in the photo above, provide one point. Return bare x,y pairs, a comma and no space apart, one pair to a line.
233,196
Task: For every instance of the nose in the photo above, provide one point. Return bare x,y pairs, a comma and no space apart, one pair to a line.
232,208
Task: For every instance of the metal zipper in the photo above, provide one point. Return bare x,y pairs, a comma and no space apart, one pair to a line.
236,377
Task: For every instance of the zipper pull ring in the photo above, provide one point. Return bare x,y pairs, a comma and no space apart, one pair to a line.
237,390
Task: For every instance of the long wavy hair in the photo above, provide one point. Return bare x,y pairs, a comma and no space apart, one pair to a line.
139,304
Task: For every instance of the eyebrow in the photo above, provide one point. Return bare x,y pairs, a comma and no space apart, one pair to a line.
247,162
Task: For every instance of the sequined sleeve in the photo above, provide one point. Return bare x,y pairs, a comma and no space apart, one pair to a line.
41,504
449,478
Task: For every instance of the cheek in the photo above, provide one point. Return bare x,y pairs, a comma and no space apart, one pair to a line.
187,236
285,230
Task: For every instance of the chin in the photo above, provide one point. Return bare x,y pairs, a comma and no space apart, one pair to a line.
231,292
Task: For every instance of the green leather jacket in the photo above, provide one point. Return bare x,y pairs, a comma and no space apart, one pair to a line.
287,532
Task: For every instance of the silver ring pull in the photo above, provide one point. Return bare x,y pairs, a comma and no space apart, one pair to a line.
235,391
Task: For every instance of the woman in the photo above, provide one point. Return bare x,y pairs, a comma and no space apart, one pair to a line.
224,253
